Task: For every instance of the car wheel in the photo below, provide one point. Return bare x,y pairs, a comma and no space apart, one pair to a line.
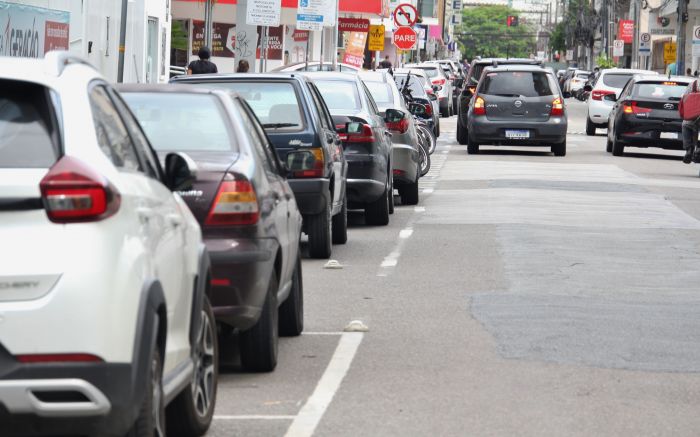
377,212
608,145
472,147
259,343
559,149
391,195
461,134
340,225
409,193
445,112
437,128
192,411
617,148
319,229
590,127
291,312
151,419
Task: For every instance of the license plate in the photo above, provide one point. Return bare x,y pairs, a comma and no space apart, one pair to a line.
517,134
669,135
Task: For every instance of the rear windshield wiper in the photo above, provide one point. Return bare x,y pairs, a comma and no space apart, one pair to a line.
675,99
279,125
507,95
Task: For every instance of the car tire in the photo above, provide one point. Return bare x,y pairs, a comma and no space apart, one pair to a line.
445,112
259,344
191,413
617,147
340,224
608,145
319,230
559,149
151,421
437,128
462,134
291,312
377,212
409,193
472,147
590,127
391,195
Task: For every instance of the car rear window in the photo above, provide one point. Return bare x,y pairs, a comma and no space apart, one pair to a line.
659,90
475,73
178,122
430,71
28,132
276,104
616,80
582,75
381,92
415,84
339,95
518,84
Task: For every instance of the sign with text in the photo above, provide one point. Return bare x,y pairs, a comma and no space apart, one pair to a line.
355,49
625,31
570,55
376,38
275,36
264,12
315,14
223,40
353,25
295,43
405,38
644,44
618,47
696,40
30,32
669,52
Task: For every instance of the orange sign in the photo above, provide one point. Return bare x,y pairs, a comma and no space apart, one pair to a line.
355,51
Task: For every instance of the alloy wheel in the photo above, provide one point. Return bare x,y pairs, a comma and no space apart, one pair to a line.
203,381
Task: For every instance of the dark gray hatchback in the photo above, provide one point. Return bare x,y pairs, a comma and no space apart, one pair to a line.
517,105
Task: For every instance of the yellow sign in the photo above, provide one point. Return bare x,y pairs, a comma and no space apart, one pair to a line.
376,38
669,52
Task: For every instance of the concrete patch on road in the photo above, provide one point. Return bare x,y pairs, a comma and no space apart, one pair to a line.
568,186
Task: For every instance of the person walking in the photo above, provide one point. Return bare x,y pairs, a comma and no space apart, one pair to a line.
688,109
203,65
243,66
386,63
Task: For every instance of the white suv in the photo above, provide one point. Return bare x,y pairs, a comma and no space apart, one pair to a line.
610,81
104,319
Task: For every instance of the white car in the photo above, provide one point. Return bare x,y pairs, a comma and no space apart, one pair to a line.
576,82
610,81
441,84
316,66
104,318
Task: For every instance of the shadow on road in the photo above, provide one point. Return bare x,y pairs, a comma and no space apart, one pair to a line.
652,156
515,152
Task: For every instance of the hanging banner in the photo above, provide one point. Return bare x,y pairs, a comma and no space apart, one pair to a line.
625,31
30,32
275,37
355,49
353,25
223,41
376,38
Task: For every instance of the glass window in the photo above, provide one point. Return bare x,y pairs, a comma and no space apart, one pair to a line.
582,75
475,73
321,108
28,138
199,120
112,136
258,138
616,80
415,84
380,91
660,90
430,71
339,95
517,84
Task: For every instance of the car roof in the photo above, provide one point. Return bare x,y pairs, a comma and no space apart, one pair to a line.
47,71
331,75
374,76
518,67
523,61
166,89
628,70
297,64
417,71
282,75
660,78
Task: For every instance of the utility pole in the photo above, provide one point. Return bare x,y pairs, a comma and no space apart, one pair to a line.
635,40
122,43
208,23
680,37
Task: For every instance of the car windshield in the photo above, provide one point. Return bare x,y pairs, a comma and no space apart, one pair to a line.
381,92
659,90
517,84
616,80
339,94
181,122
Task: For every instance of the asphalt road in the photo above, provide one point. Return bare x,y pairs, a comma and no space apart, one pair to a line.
526,295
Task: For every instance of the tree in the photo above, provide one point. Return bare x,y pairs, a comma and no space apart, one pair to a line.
484,32
557,42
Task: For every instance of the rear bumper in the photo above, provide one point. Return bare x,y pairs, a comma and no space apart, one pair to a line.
404,158
241,270
312,195
366,178
647,133
599,111
552,131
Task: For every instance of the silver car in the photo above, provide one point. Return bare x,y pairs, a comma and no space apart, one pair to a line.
405,143
441,84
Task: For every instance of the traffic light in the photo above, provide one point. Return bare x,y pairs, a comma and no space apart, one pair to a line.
512,20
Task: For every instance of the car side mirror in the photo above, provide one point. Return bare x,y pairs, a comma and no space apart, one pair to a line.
180,171
610,97
432,97
587,88
393,115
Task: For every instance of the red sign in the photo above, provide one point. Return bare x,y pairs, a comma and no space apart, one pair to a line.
405,14
625,31
353,25
405,38
355,49
274,42
55,36
219,38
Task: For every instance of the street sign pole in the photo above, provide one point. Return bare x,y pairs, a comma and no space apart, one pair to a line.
335,35
680,37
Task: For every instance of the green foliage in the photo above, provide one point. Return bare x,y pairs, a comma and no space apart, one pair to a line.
603,62
178,35
484,32
558,39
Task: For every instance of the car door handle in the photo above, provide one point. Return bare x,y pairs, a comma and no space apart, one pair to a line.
174,220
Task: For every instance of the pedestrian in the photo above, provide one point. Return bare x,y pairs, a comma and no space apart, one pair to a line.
689,109
203,65
688,72
243,66
386,63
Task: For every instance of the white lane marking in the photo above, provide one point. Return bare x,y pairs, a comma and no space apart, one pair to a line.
392,260
419,209
405,233
312,412
254,417
428,190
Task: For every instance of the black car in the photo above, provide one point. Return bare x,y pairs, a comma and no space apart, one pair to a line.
646,114
518,105
366,143
240,197
296,118
476,68
418,93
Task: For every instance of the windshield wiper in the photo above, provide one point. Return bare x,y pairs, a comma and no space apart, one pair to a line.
675,99
279,125
508,95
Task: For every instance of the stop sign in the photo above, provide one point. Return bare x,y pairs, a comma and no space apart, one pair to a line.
405,38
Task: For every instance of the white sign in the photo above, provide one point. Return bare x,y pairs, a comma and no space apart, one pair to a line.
264,13
644,44
569,55
619,47
315,14
540,55
30,32
696,40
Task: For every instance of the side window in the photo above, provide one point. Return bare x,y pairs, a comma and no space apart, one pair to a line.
322,109
112,136
261,144
369,98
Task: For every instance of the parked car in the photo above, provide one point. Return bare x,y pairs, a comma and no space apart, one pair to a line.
441,81
575,83
456,80
106,320
366,143
404,150
475,70
646,114
419,86
296,119
249,219
316,66
518,105
610,81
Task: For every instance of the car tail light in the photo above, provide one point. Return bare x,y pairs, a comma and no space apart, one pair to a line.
58,358
479,106
440,82
472,89
73,192
428,109
429,91
400,126
235,203
557,107
309,168
397,172
632,108
220,282
599,94
366,136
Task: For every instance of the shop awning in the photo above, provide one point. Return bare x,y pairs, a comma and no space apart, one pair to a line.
352,6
